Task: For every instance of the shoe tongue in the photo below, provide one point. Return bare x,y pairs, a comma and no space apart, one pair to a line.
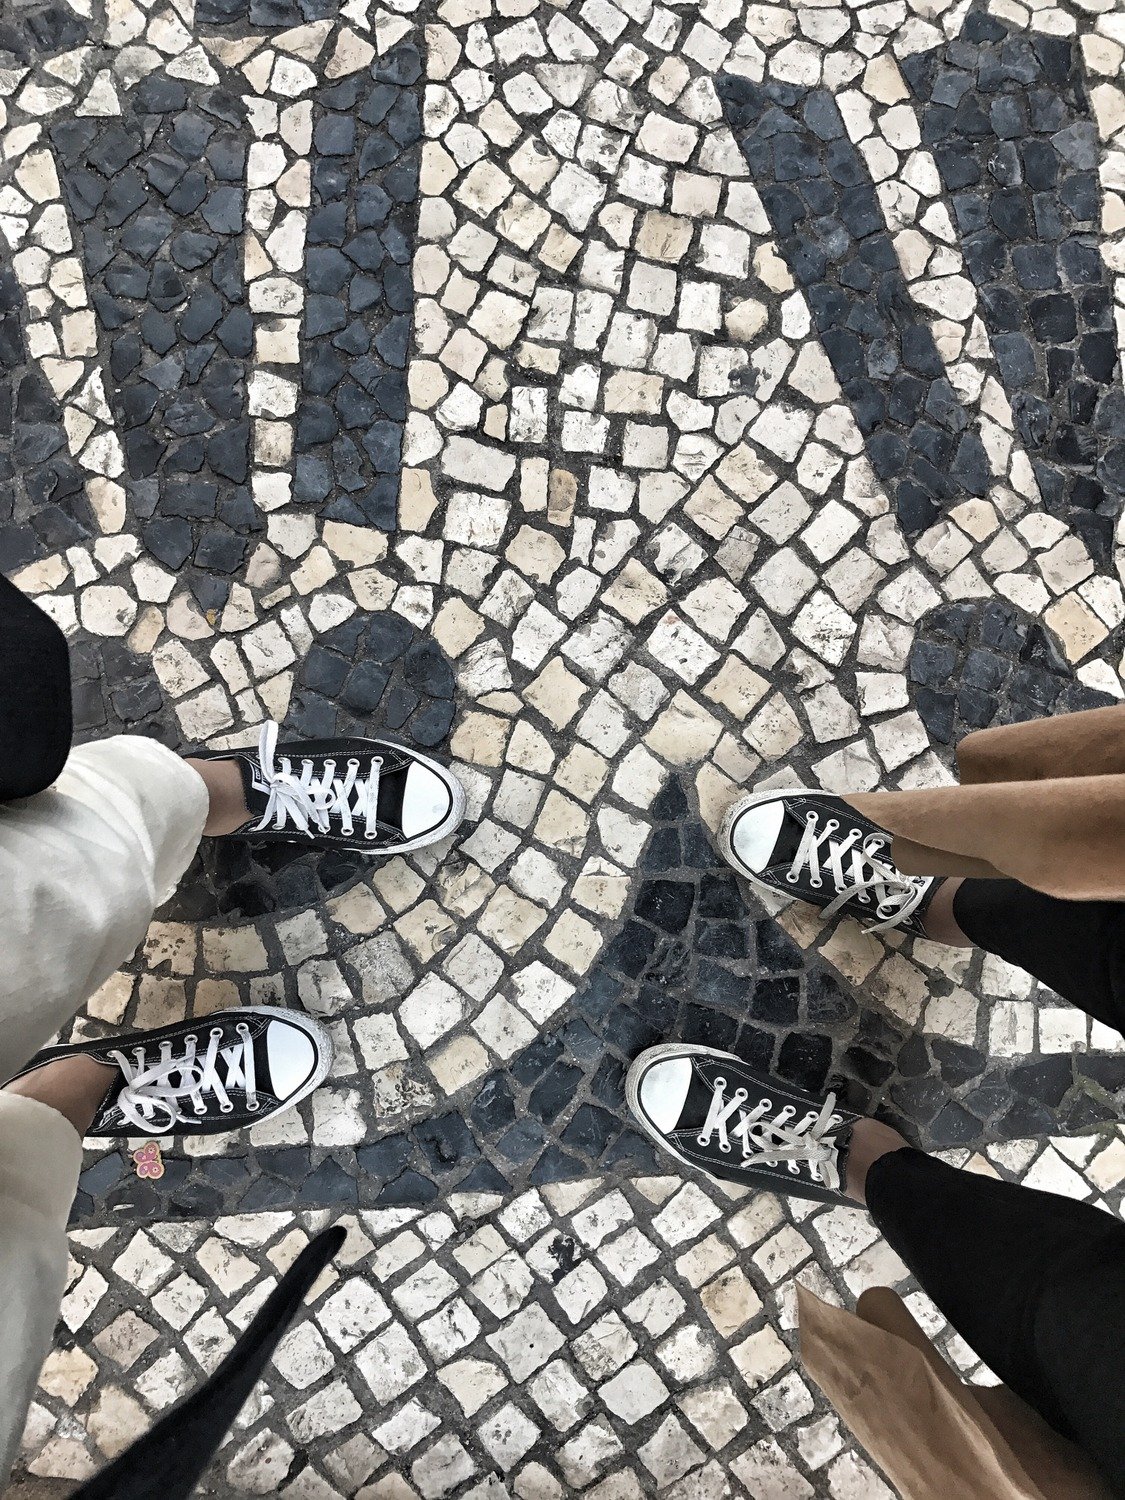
788,840
392,790
697,1104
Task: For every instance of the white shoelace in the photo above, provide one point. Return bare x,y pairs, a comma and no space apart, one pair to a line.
896,895
765,1141
307,801
151,1098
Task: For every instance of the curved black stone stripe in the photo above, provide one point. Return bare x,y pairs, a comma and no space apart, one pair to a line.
360,293
973,665
159,199
1007,117
43,504
691,960
829,225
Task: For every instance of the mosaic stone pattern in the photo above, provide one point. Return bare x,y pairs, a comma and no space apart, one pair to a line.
1011,124
587,456
615,1339
824,209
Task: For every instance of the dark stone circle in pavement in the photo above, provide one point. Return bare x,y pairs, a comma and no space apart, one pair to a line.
371,675
694,959
977,664
375,673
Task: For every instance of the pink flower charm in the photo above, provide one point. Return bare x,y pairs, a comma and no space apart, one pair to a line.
148,1161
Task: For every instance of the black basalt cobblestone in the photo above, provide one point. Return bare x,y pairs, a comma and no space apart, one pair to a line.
357,320
822,203
1007,117
159,200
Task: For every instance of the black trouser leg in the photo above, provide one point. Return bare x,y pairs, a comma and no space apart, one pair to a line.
1075,947
1034,1282
35,711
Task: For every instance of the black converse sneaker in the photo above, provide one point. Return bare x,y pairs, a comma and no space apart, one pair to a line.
375,796
217,1073
713,1112
812,845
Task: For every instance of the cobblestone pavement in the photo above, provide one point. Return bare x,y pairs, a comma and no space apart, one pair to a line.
632,402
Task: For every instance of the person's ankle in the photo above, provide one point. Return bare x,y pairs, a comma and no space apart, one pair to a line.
939,921
870,1139
227,811
74,1086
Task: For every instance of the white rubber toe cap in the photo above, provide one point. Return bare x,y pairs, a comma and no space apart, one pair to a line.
754,834
663,1092
426,801
292,1058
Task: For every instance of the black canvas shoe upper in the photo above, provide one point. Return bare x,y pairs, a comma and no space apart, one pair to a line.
825,853
373,795
712,1111
201,1077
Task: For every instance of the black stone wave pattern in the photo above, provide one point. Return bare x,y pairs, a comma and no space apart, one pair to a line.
1007,117
360,293
829,225
159,200
693,961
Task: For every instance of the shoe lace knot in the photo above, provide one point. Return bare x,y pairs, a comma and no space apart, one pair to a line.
309,801
768,1135
156,1088
857,867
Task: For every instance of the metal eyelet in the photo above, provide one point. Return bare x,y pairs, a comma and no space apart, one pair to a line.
227,1109
216,1031
253,1108
791,878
